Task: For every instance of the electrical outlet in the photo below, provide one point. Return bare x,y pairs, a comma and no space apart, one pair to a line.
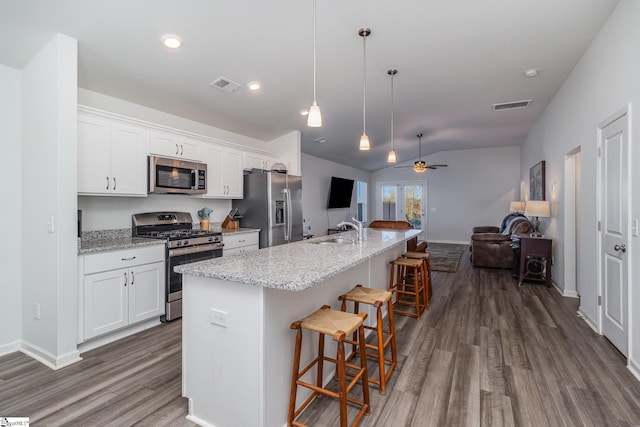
36,310
218,317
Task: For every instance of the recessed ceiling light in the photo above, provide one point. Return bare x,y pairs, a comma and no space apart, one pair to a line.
304,112
253,86
533,72
172,41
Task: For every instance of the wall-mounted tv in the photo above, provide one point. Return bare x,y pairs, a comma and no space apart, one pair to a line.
340,193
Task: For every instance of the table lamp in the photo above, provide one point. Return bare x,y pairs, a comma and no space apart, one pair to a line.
516,206
536,209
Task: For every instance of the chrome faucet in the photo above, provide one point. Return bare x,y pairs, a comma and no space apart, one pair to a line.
357,226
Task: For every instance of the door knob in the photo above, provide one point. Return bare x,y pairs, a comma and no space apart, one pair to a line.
620,248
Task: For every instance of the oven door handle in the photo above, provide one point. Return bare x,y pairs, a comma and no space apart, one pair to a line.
195,249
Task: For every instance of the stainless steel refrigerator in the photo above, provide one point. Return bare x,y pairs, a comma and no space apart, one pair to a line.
273,203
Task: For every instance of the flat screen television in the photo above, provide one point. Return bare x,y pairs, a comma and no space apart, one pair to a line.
340,193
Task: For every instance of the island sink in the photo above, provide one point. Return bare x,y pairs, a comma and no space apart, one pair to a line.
334,241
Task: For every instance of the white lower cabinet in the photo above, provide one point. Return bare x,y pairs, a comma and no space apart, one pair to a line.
240,243
113,298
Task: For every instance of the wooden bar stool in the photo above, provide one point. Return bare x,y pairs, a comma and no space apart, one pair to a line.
428,289
339,325
376,298
408,294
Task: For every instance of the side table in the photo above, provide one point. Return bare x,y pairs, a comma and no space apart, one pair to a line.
535,259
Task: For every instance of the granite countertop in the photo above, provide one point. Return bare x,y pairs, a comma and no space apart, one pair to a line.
300,265
112,240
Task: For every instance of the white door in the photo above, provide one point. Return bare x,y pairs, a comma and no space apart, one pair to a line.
94,144
404,201
614,231
128,159
232,168
105,302
146,292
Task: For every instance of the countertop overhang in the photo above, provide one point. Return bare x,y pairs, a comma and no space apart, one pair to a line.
300,265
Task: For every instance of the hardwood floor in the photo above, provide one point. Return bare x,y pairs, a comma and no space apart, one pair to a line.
134,381
487,353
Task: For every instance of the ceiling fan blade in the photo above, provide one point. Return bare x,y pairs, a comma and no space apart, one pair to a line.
400,167
440,166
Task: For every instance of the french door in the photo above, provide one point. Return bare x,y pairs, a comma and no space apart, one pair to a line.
403,201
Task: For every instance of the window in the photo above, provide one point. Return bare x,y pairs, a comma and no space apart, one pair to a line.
361,188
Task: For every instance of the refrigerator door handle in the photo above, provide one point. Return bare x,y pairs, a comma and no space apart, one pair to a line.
288,213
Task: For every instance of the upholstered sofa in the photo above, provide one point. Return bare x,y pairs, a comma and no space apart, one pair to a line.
493,246
413,244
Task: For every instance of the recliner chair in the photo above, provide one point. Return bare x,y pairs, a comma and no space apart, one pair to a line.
494,246
413,244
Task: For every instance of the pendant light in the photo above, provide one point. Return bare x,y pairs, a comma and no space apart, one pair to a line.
314,119
391,158
364,139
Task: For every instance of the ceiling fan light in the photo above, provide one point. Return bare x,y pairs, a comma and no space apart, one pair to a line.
364,142
314,119
391,158
419,168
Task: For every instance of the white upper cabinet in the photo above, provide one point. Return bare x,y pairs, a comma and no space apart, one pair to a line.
111,157
259,161
168,144
224,172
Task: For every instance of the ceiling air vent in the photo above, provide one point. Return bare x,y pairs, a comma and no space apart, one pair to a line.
512,105
225,85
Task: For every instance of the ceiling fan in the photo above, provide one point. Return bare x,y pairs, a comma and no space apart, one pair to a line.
420,166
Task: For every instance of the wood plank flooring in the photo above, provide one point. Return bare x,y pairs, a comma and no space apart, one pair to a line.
487,353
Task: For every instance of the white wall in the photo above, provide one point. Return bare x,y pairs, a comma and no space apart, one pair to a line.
603,82
316,177
10,174
49,255
475,189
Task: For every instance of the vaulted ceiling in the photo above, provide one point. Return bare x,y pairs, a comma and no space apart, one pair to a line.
455,59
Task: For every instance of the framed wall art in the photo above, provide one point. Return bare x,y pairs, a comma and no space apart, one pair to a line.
536,182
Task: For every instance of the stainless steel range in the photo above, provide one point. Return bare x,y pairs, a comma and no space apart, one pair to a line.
184,245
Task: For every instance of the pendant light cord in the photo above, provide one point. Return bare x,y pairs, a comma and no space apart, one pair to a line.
393,145
314,52
364,84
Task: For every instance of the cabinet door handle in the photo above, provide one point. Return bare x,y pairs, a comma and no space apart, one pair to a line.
181,149
133,278
128,259
177,150
107,184
620,248
241,241
125,279
114,182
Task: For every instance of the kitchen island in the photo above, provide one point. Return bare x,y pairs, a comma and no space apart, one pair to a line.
237,345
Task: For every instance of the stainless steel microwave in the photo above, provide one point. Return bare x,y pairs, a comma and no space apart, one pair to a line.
176,176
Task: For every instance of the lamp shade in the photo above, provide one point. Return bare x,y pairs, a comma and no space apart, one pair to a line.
540,208
517,206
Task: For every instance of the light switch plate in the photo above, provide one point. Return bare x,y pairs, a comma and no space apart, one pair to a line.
634,227
218,317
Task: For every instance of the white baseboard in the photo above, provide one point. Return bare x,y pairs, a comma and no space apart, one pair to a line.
47,358
11,347
589,321
634,368
116,335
